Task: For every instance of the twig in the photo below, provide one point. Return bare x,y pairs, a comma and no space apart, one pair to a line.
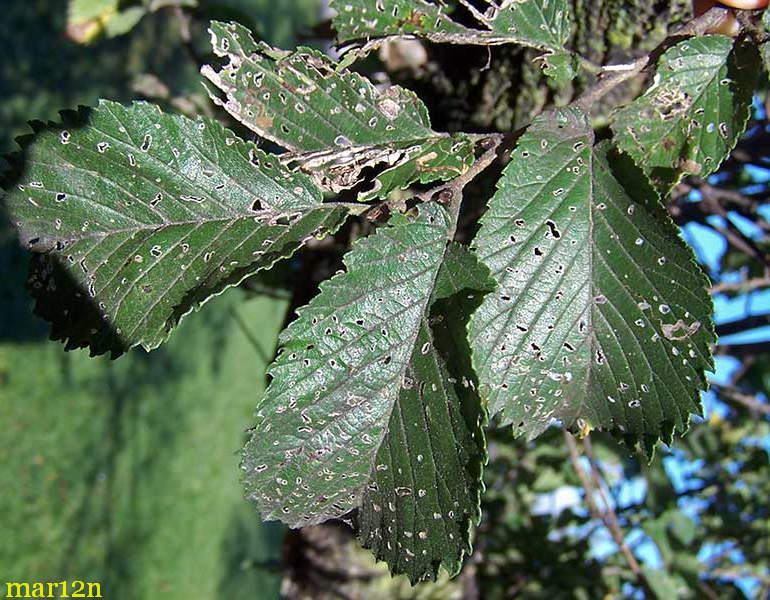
731,200
451,192
747,363
707,591
607,516
738,573
476,13
746,400
744,204
738,240
356,50
736,237
742,350
183,21
699,211
747,285
448,194
606,84
611,518
741,325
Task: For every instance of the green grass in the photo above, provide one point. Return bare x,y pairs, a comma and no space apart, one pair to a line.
126,472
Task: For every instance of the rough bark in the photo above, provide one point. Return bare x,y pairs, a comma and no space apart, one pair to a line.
501,88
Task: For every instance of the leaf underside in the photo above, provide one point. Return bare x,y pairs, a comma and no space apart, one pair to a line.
601,317
363,410
690,119
334,122
140,217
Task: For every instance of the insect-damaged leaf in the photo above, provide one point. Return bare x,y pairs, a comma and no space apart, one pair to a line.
144,216
335,123
542,24
536,23
399,164
364,411
601,314
363,19
427,489
694,112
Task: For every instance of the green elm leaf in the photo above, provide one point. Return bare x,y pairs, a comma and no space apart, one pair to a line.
334,122
364,19
365,412
84,10
534,23
601,317
299,100
398,164
86,18
124,21
664,584
541,25
560,66
140,217
461,270
427,487
544,25
691,117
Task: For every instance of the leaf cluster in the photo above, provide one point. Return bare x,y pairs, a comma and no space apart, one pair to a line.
576,303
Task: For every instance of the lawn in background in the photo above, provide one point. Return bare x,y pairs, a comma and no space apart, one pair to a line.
126,472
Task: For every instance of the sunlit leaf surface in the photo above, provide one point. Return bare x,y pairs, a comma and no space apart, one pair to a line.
364,411
601,317
693,114
542,24
335,122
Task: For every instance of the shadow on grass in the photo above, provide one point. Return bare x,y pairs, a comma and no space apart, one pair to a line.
112,505
251,556
18,324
